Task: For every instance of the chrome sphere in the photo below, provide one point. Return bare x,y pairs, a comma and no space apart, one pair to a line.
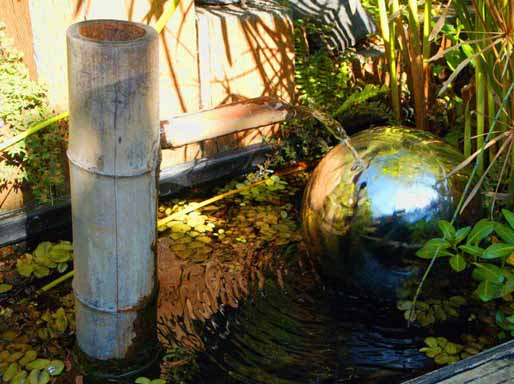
365,219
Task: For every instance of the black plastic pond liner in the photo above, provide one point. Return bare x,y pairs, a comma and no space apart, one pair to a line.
30,224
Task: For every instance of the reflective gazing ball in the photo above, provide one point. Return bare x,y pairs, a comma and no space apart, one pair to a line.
364,219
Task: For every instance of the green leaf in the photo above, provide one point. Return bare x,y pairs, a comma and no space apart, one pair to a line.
487,291
11,371
24,268
44,377
55,367
488,272
508,287
505,233
59,255
480,231
29,356
19,378
62,267
43,249
472,250
431,342
33,377
458,263
447,229
158,381
434,247
142,380
495,251
509,216
431,351
5,288
461,234
38,364
41,271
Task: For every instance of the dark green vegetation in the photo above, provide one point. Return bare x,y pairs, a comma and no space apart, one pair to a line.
36,165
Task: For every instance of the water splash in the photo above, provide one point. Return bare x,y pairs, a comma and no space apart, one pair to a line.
333,126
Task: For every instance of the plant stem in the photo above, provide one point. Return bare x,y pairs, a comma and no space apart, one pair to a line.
56,282
427,26
467,130
36,128
480,87
416,64
388,35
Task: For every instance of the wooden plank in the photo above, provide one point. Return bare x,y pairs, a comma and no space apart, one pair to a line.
178,76
15,14
493,366
245,52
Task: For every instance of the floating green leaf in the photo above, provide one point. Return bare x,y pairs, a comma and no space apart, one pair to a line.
44,377
5,288
11,371
38,364
55,367
24,267
19,378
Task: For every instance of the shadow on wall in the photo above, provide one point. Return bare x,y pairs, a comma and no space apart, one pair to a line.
350,22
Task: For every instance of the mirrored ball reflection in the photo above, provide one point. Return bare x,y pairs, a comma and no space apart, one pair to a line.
365,219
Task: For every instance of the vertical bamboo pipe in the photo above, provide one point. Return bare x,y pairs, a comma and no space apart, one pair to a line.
113,154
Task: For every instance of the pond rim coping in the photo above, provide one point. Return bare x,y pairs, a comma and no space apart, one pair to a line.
475,368
22,224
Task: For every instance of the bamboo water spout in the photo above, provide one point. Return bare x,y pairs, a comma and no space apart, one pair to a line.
114,156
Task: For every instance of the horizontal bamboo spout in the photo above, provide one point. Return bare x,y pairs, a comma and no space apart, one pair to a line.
223,120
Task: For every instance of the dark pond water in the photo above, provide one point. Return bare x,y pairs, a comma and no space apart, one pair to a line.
308,333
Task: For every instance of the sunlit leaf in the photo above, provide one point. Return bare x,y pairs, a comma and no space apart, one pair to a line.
480,231
447,229
498,250
488,272
473,250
